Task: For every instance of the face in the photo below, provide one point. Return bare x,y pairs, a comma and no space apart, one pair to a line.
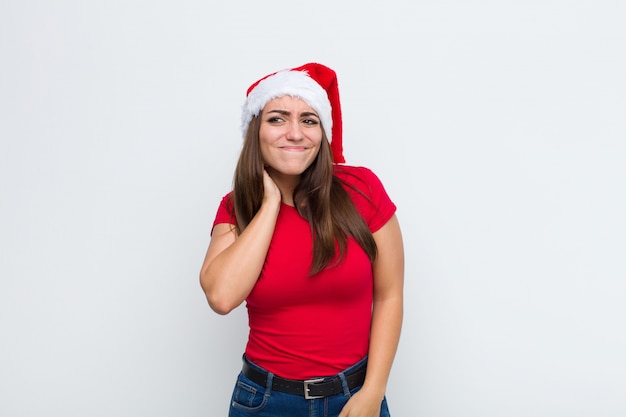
290,136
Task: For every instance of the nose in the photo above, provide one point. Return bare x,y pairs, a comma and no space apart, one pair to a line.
294,131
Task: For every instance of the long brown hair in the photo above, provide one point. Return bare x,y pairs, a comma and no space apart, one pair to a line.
319,197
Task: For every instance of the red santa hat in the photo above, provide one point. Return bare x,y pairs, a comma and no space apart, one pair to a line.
314,83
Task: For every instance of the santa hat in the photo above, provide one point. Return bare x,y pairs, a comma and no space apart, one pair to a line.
314,83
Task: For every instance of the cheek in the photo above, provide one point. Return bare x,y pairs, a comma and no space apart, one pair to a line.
265,142
264,152
318,142
263,136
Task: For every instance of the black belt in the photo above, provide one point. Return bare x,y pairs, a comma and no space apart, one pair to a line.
311,388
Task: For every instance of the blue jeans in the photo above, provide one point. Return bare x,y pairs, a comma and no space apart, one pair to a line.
251,399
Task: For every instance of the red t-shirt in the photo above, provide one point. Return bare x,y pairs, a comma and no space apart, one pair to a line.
305,326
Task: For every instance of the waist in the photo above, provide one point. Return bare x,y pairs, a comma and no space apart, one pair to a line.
311,388
288,350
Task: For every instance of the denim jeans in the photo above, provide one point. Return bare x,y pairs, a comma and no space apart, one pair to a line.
251,399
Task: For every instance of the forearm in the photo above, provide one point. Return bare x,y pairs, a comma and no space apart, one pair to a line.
384,339
229,276
387,307
385,334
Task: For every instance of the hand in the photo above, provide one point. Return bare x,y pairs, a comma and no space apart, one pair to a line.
271,192
362,405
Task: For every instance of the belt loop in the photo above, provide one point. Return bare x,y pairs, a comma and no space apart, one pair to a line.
344,384
270,380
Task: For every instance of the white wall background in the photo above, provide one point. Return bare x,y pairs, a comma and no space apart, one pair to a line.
498,128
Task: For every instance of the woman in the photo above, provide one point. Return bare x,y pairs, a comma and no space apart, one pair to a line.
315,250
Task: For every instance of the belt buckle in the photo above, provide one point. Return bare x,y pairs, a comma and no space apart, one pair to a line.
306,383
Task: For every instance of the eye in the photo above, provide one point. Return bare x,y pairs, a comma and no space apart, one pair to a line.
311,122
275,119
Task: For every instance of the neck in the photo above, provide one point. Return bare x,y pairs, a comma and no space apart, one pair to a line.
286,184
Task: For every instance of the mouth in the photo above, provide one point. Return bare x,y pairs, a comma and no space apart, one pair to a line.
294,148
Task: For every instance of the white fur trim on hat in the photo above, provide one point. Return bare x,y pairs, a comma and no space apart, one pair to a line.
288,83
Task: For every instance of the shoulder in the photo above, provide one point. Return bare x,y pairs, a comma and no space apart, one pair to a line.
227,202
355,174
225,211
367,193
360,178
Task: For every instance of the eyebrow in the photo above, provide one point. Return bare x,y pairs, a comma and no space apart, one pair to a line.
288,113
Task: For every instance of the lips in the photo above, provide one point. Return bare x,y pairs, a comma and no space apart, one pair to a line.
294,148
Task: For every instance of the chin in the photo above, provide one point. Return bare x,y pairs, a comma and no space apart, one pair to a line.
290,171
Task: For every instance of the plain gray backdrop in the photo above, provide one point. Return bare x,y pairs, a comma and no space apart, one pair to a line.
498,128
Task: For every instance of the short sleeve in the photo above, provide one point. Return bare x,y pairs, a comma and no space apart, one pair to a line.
225,212
368,194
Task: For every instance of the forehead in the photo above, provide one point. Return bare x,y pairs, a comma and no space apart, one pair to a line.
290,103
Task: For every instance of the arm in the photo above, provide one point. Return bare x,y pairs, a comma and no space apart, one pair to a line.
233,263
386,321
